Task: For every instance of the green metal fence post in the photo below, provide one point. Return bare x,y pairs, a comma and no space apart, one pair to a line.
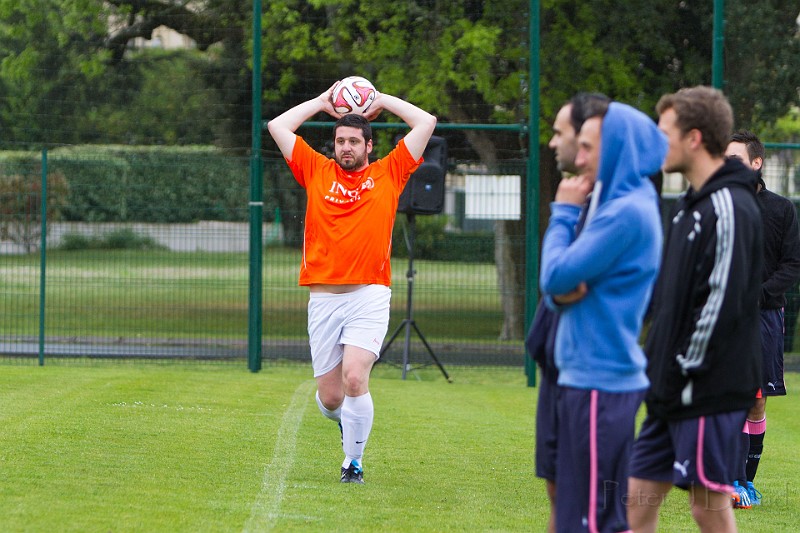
781,146
256,206
532,197
717,73
43,256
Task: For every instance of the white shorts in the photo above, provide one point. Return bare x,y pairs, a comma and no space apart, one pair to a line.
359,318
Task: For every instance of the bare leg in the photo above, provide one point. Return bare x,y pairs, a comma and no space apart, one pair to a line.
356,366
644,501
331,389
712,511
551,494
348,378
759,409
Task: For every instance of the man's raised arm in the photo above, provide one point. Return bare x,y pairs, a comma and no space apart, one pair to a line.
421,122
282,127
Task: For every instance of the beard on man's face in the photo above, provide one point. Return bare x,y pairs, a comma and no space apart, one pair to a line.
349,161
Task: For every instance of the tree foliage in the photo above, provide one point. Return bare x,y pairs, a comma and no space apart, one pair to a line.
638,53
762,61
50,65
21,205
68,74
465,61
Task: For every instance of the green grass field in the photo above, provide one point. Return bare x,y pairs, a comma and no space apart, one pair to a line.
156,296
129,447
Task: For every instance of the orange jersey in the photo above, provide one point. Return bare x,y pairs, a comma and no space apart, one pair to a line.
349,216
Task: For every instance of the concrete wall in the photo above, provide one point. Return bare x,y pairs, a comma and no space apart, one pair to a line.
206,236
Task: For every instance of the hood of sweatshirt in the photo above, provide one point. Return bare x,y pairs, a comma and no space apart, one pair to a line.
616,254
732,173
632,149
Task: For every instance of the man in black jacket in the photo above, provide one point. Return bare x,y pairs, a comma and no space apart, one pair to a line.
781,273
703,347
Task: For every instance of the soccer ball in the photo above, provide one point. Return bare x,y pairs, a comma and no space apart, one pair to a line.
353,94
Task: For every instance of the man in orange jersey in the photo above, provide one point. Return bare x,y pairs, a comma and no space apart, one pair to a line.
346,252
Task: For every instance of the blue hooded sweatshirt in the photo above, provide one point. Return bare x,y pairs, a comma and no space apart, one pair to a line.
617,254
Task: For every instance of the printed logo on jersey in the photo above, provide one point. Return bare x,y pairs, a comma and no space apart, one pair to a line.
338,193
696,228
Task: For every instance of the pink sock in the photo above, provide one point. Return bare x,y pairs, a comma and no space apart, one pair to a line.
756,427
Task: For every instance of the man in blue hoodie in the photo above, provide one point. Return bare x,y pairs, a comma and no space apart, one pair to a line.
540,341
600,283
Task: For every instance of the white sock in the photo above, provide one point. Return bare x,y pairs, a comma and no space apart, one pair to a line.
335,415
357,415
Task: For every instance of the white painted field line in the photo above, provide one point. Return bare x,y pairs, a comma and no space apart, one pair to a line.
267,505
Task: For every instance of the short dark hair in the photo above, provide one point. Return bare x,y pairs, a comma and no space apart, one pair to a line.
586,106
353,120
705,109
755,148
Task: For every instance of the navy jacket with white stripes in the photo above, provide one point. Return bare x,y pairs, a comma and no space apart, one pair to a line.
703,346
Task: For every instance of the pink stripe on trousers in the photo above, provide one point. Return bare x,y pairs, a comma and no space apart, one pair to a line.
711,485
593,462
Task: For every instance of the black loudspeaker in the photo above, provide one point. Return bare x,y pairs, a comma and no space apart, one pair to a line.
424,192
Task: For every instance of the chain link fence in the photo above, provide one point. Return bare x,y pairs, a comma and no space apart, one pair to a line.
143,253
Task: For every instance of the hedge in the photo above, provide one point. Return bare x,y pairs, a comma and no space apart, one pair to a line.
143,183
434,242
155,184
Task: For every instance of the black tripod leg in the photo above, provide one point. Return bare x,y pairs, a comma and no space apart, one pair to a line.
430,351
409,320
392,338
407,347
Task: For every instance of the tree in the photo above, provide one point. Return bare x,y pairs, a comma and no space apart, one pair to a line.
49,63
465,61
762,61
21,206
69,75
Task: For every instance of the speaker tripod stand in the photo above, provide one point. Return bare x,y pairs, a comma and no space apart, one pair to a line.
408,322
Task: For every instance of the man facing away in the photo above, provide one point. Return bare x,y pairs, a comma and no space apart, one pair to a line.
540,341
703,345
346,252
601,281
781,272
